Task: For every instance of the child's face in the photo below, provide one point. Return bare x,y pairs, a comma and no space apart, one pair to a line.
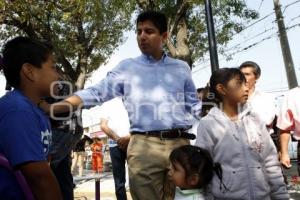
236,91
46,75
178,176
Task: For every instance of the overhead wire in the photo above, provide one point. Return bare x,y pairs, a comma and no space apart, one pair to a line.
255,36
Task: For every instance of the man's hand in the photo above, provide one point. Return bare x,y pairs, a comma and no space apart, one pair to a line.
68,105
123,142
285,160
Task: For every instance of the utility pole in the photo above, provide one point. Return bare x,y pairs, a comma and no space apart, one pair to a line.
214,61
285,47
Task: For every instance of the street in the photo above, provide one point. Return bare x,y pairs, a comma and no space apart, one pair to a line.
85,190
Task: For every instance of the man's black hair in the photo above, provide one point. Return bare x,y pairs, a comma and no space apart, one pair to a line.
253,65
157,18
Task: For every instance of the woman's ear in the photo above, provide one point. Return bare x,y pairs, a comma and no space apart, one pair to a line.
221,89
193,180
27,70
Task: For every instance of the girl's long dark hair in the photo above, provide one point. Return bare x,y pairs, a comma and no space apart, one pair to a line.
222,76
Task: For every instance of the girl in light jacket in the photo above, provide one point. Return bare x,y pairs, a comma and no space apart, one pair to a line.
238,140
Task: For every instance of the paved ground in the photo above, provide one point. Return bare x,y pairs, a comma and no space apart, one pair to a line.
85,190
294,182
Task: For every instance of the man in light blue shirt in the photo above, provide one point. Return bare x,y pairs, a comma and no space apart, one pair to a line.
158,94
161,100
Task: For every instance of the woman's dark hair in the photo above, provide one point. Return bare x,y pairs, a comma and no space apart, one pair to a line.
196,160
253,65
22,50
157,18
222,76
207,104
199,90
87,139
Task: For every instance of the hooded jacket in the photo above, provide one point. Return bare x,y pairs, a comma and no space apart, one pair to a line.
248,156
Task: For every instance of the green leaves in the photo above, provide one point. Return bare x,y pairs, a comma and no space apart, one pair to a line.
83,33
229,15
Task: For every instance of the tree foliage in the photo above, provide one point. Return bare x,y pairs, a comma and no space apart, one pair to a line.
83,33
188,37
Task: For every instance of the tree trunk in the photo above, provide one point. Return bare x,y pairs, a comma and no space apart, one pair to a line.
81,72
80,81
181,49
182,46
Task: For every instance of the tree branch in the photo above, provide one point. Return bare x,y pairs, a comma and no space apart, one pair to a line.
81,34
66,64
171,48
183,7
27,28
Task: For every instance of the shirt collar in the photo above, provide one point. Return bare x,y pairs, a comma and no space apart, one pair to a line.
189,191
149,59
243,110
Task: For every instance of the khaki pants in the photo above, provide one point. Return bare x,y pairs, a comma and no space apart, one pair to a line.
148,164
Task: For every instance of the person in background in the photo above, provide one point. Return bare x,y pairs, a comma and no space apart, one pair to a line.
289,121
79,155
118,141
97,156
262,103
66,132
115,124
200,93
204,96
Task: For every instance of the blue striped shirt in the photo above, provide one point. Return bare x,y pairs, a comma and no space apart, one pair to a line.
157,94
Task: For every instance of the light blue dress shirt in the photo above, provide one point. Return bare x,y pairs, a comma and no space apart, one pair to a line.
157,94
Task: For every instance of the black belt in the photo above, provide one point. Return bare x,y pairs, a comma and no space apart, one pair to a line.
167,134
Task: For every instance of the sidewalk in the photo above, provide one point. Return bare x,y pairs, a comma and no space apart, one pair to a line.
85,190
294,181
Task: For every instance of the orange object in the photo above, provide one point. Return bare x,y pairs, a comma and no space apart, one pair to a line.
97,157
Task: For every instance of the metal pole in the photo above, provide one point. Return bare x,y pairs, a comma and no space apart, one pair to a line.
285,47
211,37
97,188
